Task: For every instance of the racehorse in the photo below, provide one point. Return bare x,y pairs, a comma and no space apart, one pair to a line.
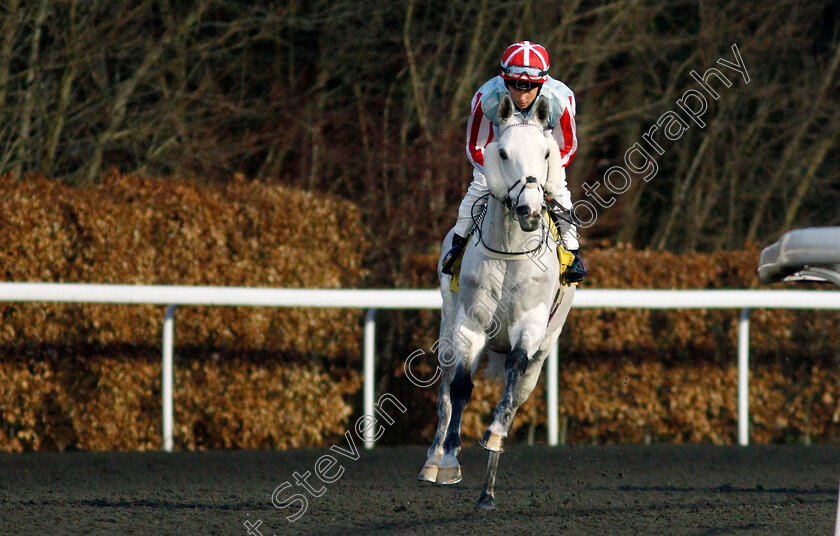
510,302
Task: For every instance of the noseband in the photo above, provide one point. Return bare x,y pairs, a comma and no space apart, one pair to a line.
507,201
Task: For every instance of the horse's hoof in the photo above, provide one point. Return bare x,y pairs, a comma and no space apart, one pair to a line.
486,502
492,442
448,475
428,473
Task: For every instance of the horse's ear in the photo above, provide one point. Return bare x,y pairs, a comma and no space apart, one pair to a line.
505,108
541,110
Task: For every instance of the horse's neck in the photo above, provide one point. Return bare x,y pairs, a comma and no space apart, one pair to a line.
502,232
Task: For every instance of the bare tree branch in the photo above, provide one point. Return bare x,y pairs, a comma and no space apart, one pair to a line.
792,147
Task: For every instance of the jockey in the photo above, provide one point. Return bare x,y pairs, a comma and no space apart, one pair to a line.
524,76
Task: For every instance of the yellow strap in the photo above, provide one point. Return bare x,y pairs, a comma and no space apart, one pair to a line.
454,283
565,257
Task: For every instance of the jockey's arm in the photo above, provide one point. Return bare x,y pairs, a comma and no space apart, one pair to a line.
479,133
565,134
565,131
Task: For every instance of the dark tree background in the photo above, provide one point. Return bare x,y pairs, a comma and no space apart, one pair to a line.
368,100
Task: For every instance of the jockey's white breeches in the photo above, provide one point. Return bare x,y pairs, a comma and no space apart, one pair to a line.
474,201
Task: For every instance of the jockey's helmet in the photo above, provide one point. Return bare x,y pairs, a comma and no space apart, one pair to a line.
525,61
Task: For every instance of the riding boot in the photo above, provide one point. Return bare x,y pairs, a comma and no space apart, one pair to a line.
458,243
575,272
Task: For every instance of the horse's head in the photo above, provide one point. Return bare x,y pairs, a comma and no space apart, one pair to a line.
517,164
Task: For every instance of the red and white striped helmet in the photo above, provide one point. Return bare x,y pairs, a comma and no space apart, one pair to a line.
525,61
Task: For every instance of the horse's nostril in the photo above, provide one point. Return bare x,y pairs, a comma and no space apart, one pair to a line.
523,212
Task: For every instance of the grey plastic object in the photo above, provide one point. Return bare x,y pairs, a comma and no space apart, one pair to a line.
810,254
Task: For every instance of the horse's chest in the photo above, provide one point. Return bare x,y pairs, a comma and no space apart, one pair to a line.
494,302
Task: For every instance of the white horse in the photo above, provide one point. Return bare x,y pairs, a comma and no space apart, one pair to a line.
510,303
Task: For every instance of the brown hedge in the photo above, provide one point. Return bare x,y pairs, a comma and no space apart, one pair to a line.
87,376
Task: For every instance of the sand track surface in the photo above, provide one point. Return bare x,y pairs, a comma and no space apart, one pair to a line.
621,489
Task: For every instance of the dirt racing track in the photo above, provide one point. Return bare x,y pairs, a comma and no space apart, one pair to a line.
623,489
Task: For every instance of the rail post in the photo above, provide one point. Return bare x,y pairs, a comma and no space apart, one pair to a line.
744,378
369,367
166,377
551,395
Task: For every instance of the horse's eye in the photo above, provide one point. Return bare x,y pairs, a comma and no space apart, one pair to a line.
503,154
546,154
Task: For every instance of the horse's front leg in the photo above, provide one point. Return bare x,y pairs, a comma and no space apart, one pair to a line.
494,437
429,472
442,465
521,373
487,499
460,391
516,393
496,434
527,336
456,387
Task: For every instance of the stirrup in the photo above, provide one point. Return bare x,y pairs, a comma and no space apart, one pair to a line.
577,271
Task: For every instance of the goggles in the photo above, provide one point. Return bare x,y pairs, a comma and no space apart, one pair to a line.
534,74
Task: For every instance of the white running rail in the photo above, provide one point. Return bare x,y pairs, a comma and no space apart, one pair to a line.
172,296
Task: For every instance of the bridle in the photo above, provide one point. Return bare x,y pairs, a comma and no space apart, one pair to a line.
478,220
508,202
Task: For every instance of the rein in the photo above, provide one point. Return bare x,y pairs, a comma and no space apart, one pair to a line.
479,220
